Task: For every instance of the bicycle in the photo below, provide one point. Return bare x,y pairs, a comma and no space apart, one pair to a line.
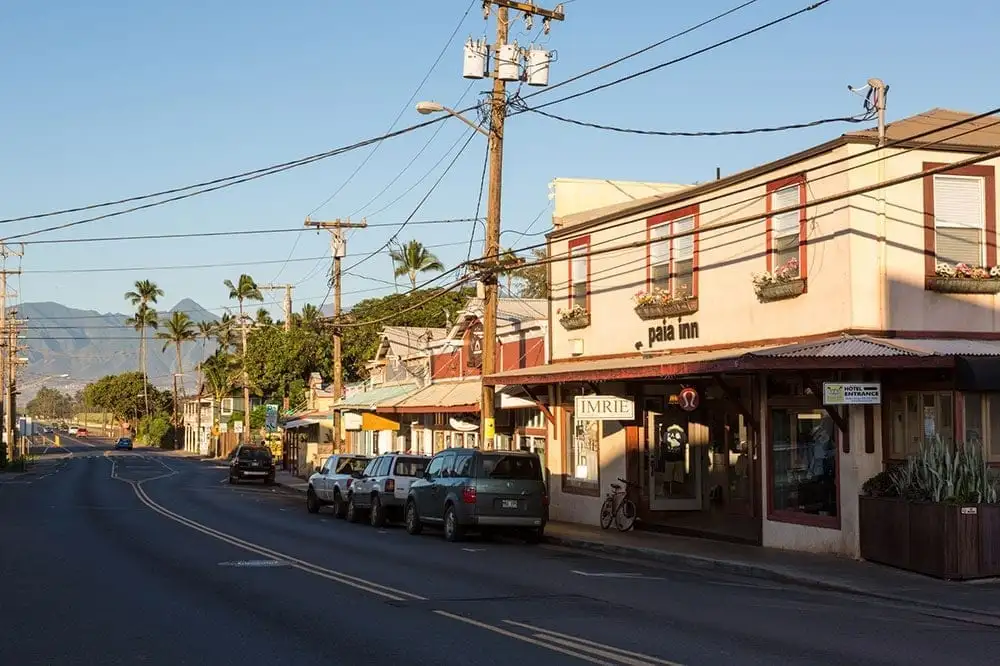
618,507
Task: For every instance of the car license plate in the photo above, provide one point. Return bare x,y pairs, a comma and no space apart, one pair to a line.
508,504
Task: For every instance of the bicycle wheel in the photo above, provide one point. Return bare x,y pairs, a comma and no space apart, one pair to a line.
607,513
625,517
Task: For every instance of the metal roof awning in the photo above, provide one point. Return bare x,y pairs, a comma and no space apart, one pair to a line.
460,396
301,423
367,400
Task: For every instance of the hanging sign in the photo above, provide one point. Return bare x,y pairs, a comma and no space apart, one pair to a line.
238,427
352,420
688,399
271,417
603,408
841,393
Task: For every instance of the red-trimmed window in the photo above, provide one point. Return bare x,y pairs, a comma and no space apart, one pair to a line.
786,231
579,273
672,255
960,217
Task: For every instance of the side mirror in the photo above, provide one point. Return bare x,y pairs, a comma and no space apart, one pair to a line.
426,476
317,470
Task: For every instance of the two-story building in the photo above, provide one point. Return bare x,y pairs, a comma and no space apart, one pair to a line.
308,432
748,351
207,422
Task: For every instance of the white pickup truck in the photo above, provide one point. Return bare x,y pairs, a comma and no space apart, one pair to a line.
330,483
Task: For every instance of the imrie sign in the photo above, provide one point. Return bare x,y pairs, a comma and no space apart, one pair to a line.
603,408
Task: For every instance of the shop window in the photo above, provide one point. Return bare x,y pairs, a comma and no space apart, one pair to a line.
579,273
982,423
671,259
582,464
916,417
786,231
803,467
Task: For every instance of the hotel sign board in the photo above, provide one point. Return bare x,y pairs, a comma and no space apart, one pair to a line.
603,408
841,393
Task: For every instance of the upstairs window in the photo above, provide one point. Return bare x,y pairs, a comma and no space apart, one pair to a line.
959,220
671,261
786,230
579,273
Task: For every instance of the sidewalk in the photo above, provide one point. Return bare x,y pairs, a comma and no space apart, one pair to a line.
826,572
290,481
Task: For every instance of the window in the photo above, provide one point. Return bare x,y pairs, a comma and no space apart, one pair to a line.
434,469
410,467
579,273
383,467
803,466
916,417
226,407
350,465
671,258
463,466
511,468
982,423
959,220
582,464
960,217
786,231
370,469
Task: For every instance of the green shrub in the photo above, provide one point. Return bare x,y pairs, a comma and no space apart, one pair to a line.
881,485
156,430
936,474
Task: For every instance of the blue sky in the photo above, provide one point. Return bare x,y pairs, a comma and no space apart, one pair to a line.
112,98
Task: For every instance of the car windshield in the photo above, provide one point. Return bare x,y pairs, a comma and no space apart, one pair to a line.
410,466
350,465
123,441
515,468
255,454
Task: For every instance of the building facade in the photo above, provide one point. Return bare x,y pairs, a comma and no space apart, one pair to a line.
745,353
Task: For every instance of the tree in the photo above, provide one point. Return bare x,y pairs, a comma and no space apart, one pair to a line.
177,330
245,289
508,259
412,259
124,395
279,361
533,281
310,317
50,403
263,317
220,372
144,293
224,332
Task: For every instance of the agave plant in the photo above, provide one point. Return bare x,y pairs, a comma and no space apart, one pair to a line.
936,474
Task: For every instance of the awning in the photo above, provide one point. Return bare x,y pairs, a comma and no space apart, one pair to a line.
461,396
367,400
301,423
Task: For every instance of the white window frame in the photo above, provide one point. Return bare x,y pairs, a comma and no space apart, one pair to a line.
665,249
979,224
227,406
784,225
581,253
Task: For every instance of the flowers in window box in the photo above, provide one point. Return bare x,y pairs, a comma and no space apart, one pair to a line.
576,317
964,279
659,303
782,282
967,272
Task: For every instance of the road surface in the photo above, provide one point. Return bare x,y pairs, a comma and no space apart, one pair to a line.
145,558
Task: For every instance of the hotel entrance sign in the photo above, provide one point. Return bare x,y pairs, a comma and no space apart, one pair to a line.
839,393
603,408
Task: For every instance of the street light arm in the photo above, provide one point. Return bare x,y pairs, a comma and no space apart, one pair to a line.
433,107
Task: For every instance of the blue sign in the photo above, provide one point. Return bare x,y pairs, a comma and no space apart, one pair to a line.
271,417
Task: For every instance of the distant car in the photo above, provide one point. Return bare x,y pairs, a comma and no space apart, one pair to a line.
124,443
81,432
73,430
252,462
48,431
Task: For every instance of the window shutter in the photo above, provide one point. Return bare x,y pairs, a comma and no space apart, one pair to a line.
659,244
955,245
579,268
684,246
959,202
785,224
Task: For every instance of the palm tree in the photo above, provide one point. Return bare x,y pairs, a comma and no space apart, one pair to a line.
263,318
412,259
245,289
178,330
224,332
206,329
219,374
144,293
310,316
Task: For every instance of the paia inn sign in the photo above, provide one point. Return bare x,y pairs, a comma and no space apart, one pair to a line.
603,408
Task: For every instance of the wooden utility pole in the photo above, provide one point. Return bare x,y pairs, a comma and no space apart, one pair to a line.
338,248
288,300
8,360
491,250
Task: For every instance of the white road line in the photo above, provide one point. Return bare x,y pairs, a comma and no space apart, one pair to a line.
523,638
566,637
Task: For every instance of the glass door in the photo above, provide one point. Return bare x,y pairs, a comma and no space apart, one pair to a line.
673,464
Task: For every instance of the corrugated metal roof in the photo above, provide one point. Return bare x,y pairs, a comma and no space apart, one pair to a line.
443,394
982,133
369,399
952,347
843,347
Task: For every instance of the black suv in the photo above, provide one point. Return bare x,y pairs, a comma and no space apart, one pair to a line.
248,462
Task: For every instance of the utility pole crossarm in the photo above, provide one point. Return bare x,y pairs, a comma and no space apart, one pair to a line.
528,8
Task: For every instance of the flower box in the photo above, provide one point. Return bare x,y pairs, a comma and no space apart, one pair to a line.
675,308
778,291
575,321
950,541
963,285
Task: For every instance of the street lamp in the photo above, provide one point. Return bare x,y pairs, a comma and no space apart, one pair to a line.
426,108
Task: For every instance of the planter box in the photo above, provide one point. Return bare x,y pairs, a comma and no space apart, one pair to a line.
573,323
949,541
678,308
779,291
961,285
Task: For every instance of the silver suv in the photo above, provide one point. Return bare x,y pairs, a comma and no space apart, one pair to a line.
382,488
484,490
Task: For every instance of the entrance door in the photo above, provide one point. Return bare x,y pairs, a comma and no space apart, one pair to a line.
673,464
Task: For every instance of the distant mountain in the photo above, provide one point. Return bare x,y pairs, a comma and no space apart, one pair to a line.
87,345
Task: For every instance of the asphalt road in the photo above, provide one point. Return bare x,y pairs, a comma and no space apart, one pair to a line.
144,558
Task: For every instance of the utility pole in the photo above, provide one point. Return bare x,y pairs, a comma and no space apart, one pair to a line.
491,253
8,361
288,300
338,248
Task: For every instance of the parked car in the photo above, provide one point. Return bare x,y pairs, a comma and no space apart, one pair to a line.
482,490
82,432
330,483
380,491
73,430
123,443
250,462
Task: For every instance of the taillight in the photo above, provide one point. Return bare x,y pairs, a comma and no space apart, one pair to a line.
390,485
469,495
545,499
349,482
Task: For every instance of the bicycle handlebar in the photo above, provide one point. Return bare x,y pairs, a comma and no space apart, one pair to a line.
627,482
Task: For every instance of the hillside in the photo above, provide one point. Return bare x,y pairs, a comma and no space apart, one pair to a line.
87,345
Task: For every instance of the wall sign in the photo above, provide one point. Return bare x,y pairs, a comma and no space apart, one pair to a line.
688,399
603,408
664,332
841,393
351,420
476,345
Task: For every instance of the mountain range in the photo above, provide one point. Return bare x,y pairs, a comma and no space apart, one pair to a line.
67,348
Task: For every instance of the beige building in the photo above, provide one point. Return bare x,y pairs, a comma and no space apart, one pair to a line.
773,338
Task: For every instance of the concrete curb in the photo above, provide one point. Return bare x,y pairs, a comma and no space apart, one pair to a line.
761,572
289,486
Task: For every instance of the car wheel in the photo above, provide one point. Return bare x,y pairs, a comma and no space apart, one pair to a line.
233,480
534,535
339,505
312,502
377,514
352,510
413,524
452,530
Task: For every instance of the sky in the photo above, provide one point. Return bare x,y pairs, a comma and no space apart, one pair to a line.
114,98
